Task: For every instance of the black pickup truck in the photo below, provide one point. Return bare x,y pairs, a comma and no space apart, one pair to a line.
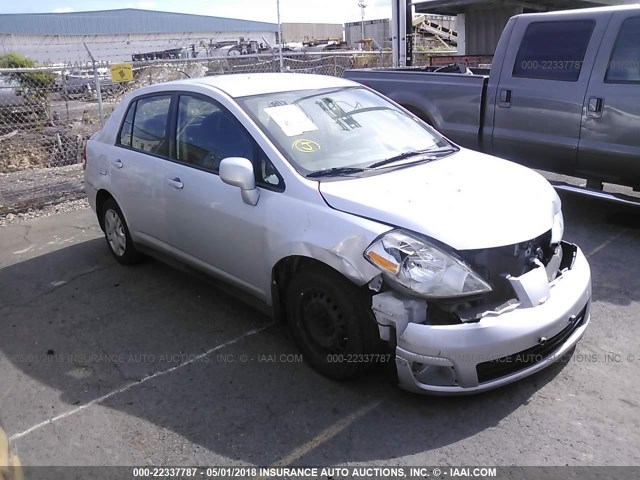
562,95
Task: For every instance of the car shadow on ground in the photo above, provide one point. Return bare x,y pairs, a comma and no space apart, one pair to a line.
609,234
77,327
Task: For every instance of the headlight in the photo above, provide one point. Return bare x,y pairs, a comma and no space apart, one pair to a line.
423,268
557,231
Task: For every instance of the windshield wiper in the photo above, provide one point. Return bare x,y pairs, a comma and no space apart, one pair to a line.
431,153
336,171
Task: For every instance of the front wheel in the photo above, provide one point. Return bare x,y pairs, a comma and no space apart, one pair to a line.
332,322
117,234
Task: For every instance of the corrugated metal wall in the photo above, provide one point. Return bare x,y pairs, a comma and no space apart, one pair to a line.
122,22
484,27
304,32
114,35
46,49
379,30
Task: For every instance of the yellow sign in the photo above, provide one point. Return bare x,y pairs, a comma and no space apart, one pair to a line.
121,72
306,146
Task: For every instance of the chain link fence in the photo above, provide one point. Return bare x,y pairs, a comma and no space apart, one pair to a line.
47,113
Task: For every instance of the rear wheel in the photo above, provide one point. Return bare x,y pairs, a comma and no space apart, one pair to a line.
332,323
117,234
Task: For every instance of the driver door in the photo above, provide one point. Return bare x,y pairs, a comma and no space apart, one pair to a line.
210,225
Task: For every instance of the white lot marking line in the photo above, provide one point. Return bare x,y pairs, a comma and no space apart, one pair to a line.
139,382
296,454
20,252
330,432
606,243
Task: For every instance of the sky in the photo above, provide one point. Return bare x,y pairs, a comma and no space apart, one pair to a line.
309,11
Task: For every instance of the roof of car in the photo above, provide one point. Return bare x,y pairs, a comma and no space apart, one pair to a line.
246,84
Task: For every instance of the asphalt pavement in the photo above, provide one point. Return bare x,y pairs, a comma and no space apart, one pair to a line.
102,364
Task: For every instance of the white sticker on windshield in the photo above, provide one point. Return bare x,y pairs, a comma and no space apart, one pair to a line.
291,119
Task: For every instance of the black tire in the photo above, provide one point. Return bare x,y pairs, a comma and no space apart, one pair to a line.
116,233
332,322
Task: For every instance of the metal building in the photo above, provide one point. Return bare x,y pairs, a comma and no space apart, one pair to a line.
306,32
378,30
116,35
480,22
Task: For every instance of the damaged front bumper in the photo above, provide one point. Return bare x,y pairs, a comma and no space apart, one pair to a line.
501,347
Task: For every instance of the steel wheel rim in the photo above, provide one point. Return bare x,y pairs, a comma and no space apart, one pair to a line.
322,323
114,228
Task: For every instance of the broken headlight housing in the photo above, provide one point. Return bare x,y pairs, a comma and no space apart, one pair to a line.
557,231
424,269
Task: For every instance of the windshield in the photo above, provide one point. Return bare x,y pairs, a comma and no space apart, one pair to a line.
339,130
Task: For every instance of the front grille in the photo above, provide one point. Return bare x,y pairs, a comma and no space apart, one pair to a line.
501,367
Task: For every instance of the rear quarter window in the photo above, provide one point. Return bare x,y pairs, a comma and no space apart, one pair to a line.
151,125
126,130
624,65
553,50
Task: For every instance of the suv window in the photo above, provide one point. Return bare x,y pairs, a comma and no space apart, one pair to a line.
553,50
207,133
150,123
624,66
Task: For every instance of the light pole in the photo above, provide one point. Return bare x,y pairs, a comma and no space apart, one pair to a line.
280,37
362,6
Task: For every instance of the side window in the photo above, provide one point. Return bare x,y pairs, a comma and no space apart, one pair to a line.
624,66
150,125
207,133
266,174
553,50
126,131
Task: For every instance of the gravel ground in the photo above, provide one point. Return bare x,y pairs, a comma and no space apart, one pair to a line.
40,192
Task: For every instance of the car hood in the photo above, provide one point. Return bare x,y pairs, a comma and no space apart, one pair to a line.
467,200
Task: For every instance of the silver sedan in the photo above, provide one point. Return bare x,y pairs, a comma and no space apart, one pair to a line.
372,235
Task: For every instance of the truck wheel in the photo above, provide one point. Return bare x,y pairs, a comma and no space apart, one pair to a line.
332,322
117,234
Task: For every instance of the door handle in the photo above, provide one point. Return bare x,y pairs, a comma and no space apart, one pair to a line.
505,98
175,183
117,163
594,107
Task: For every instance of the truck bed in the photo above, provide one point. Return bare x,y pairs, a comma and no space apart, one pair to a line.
452,102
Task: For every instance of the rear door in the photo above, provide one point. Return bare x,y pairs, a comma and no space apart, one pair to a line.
610,136
138,163
538,106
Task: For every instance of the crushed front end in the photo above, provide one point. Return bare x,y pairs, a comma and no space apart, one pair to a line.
506,313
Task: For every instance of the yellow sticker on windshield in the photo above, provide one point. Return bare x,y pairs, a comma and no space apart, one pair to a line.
306,146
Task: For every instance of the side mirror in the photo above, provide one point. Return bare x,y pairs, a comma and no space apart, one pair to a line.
238,172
